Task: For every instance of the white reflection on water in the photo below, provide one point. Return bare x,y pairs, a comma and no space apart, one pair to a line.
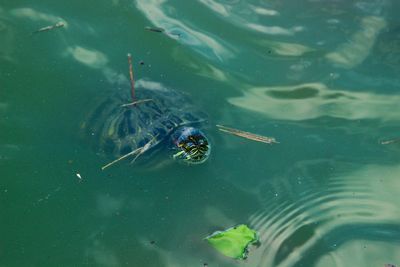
91,58
246,15
213,72
102,255
217,7
158,12
274,30
365,198
97,60
372,7
354,51
264,11
200,68
313,100
227,10
150,85
285,48
35,15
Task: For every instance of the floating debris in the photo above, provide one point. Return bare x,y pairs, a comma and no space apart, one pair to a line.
234,242
247,135
121,158
392,141
154,29
131,77
137,102
137,152
174,35
389,265
132,80
144,148
141,62
51,27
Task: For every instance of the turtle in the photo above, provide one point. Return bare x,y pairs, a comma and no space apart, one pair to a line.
163,118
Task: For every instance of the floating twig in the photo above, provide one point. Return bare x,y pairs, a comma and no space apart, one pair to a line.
121,158
51,27
174,35
139,151
131,77
247,135
154,29
137,102
392,141
144,148
79,177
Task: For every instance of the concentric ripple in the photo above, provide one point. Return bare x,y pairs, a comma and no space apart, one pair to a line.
312,227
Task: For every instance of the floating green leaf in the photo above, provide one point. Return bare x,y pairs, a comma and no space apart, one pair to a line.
234,241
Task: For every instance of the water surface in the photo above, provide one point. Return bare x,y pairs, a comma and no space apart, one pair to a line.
319,76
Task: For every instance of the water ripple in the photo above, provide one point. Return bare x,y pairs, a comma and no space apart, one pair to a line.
289,232
352,53
246,15
206,43
313,100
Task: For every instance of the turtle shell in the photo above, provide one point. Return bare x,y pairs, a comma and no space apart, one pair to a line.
118,130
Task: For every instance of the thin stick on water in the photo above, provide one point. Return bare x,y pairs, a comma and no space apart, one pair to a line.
250,136
161,30
154,29
137,102
139,152
144,148
392,141
247,135
51,27
121,158
138,155
131,77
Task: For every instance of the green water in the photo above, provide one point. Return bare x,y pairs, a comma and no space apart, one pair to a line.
319,76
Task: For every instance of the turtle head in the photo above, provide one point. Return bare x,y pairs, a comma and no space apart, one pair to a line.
192,145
